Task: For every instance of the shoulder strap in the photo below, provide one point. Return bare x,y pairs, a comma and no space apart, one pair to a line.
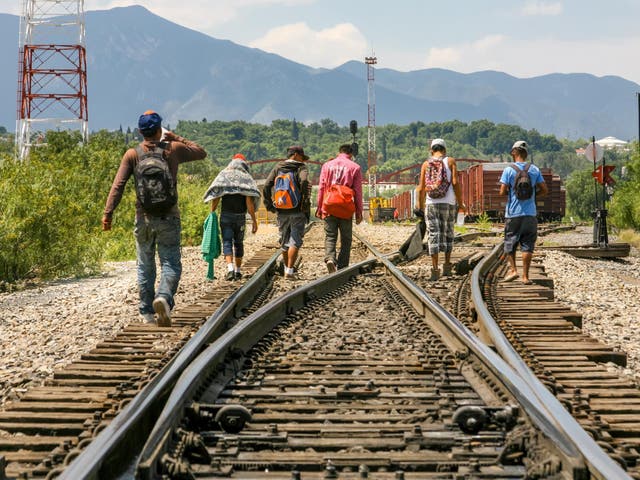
156,149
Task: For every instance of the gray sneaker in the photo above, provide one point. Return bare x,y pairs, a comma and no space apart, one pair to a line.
446,270
331,266
435,275
161,307
148,318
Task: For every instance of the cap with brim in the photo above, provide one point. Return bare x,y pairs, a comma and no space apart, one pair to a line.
438,142
149,121
296,149
521,145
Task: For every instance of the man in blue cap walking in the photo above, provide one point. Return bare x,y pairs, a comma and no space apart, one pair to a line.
154,165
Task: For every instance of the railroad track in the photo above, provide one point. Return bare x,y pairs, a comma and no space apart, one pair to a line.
316,385
550,345
53,423
373,425
50,425
339,388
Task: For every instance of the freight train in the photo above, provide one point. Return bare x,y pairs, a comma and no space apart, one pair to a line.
480,184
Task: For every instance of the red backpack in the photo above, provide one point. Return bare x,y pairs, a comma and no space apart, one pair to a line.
436,182
338,201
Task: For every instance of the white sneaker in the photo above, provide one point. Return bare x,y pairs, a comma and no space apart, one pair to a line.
331,266
161,307
148,318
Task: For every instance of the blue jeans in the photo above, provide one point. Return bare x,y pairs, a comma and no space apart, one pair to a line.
162,233
333,225
232,226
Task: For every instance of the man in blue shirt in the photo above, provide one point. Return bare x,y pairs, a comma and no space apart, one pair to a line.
521,223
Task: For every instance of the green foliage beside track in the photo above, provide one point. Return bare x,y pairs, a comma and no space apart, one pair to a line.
625,204
51,208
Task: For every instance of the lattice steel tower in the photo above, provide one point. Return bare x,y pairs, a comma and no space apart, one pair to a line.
52,71
371,125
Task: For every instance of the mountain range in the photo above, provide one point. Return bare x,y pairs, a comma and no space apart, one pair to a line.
137,60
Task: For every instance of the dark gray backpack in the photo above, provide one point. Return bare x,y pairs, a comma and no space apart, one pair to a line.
155,188
522,185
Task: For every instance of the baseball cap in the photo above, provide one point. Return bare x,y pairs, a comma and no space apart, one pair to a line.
438,141
296,149
521,144
239,156
149,120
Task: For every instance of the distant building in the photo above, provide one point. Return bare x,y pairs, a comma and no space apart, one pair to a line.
613,142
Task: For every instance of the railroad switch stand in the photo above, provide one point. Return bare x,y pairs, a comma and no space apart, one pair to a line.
600,236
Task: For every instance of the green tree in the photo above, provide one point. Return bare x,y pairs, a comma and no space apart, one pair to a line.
625,203
581,194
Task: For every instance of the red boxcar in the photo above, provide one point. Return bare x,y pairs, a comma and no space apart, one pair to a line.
404,202
480,185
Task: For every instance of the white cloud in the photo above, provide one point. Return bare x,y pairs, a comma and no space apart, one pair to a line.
539,56
542,8
328,47
454,57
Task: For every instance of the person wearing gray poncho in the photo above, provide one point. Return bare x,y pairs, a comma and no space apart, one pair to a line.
240,195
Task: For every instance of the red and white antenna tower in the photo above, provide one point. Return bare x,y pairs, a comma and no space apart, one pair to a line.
52,73
371,124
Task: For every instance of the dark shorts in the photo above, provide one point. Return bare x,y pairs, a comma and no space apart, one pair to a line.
291,227
521,231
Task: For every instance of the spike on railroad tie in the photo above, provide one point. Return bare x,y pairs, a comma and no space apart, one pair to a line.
330,470
400,475
363,470
295,475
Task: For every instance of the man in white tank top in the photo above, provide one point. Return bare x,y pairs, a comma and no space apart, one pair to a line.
440,213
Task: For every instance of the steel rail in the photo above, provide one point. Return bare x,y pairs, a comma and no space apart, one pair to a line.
133,424
444,323
601,465
233,345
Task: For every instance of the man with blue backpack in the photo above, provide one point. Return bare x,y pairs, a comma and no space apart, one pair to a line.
522,182
287,192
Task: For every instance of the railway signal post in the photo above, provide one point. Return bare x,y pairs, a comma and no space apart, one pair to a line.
601,174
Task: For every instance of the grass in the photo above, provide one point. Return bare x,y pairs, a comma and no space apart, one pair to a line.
630,236
483,222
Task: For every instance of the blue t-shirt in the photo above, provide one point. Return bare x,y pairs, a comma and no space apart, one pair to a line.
515,207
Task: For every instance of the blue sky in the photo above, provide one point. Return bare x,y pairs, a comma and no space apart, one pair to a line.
523,38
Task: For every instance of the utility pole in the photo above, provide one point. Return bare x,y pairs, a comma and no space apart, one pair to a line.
371,125
52,71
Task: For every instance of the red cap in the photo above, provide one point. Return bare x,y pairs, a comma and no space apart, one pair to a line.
240,156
